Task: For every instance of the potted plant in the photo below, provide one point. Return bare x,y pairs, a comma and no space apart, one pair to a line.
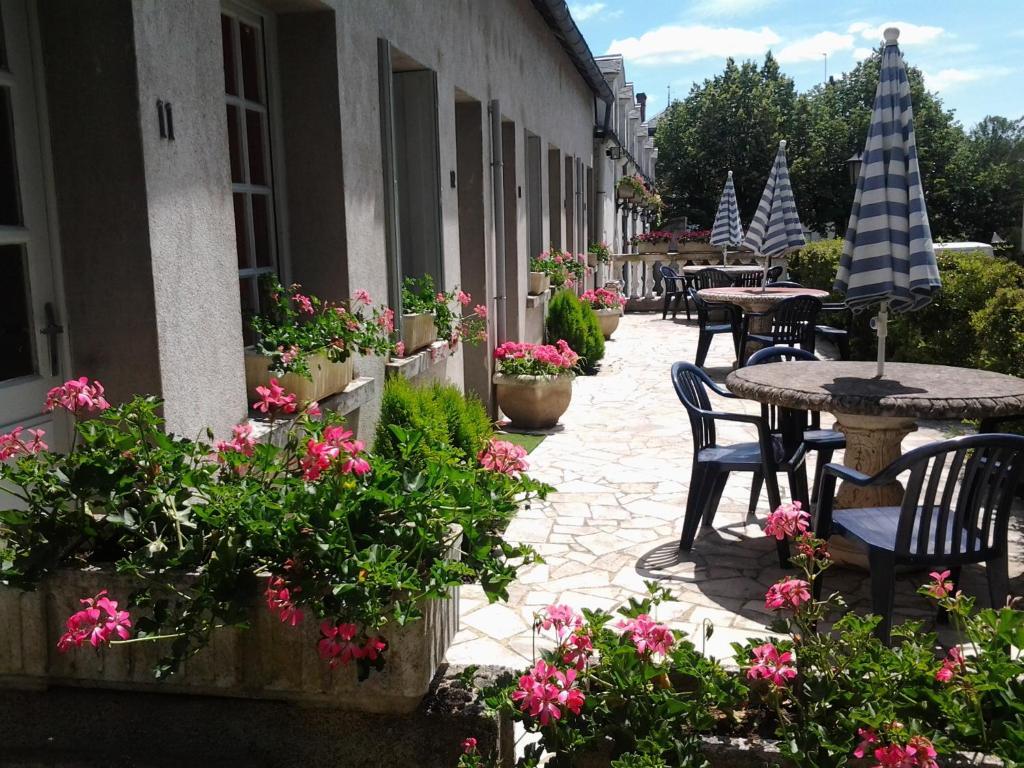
630,187
429,315
307,569
599,253
534,382
694,241
560,267
653,242
608,306
309,344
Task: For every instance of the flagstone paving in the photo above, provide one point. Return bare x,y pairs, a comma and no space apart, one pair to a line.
620,460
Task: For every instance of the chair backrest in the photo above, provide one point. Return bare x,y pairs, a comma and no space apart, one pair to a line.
778,354
668,272
791,423
785,284
958,496
710,278
748,279
691,388
774,273
793,321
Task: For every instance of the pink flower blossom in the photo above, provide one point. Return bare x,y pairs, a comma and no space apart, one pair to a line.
280,598
12,444
338,645
953,664
867,737
77,396
648,636
387,320
504,457
562,619
769,664
940,586
464,298
373,647
545,690
789,593
313,409
441,298
480,310
319,455
469,746
362,297
304,302
242,441
288,355
918,752
274,398
787,521
98,622
578,650
336,448
400,349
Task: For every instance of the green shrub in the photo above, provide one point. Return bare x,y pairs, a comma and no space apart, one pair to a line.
575,321
453,426
815,265
1000,328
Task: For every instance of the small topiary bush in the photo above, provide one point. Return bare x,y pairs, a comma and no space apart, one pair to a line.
575,322
451,424
815,265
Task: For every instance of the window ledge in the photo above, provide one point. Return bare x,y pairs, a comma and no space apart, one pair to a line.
419,362
359,392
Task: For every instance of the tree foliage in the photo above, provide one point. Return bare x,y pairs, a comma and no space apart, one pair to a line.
974,181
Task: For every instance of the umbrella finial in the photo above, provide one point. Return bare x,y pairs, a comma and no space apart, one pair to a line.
892,35
730,174
782,144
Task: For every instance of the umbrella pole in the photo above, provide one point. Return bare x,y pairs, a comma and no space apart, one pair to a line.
882,329
725,250
764,276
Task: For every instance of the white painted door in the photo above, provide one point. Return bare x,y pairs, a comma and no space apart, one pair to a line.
30,341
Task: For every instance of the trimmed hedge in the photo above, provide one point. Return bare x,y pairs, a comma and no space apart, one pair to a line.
576,322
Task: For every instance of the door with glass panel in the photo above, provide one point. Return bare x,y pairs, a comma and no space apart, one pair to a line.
30,341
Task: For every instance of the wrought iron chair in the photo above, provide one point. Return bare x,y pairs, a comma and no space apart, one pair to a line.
774,273
713,463
675,292
806,425
792,323
748,279
955,511
838,336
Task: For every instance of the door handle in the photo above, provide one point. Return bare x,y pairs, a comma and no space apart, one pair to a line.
50,331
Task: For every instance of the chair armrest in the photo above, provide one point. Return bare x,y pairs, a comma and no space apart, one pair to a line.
847,473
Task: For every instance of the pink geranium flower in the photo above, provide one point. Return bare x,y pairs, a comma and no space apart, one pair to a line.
281,598
940,586
789,593
469,746
867,737
952,665
338,644
79,397
770,664
362,297
787,521
387,320
242,441
274,398
304,302
400,349
578,650
545,690
12,443
504,457
648,636
463,297
480,310
562,619
97,623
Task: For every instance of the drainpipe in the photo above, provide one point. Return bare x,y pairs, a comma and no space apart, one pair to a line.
497,183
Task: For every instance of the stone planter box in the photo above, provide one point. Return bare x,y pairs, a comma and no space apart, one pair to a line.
270,660
533,402
661,247
328,377
699,251
539,283
608,320
418,331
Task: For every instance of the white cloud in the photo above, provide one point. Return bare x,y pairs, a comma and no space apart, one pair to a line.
677,44
910,34
859,54
584,11
731,8
951,77
812,48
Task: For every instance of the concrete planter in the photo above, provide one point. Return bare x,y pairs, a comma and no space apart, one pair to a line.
418,331
608,320
270,660
539,283
661,247
328,377
533,402
699,250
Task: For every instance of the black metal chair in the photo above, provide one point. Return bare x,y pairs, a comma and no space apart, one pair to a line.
713,463
785,284
748,279
807,424
837,335
774,273
709,327
955,511
675,292
792,323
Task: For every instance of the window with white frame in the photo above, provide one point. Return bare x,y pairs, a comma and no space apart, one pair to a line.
246,92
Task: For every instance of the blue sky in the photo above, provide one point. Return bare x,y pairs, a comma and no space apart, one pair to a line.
972,53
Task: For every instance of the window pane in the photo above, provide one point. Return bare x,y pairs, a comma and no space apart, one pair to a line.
234,145
250,39
247,291
228,44
262,230
242,232
10,204
16,355
256,136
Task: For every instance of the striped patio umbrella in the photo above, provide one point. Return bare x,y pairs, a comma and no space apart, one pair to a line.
776,229
888,257
727,230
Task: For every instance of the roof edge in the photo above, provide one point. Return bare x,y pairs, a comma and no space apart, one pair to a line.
556,14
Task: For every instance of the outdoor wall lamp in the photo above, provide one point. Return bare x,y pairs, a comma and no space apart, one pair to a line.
853,164
615,153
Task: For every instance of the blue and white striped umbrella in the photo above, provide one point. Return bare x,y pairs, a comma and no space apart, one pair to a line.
776,229
888,257
727,229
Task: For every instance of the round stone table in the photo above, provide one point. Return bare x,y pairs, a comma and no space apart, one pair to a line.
757,300
732,269
876,414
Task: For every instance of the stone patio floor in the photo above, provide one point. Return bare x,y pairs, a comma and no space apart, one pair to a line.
620,460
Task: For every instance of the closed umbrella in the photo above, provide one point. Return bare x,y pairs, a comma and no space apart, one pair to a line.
776,229
726,230
888,257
